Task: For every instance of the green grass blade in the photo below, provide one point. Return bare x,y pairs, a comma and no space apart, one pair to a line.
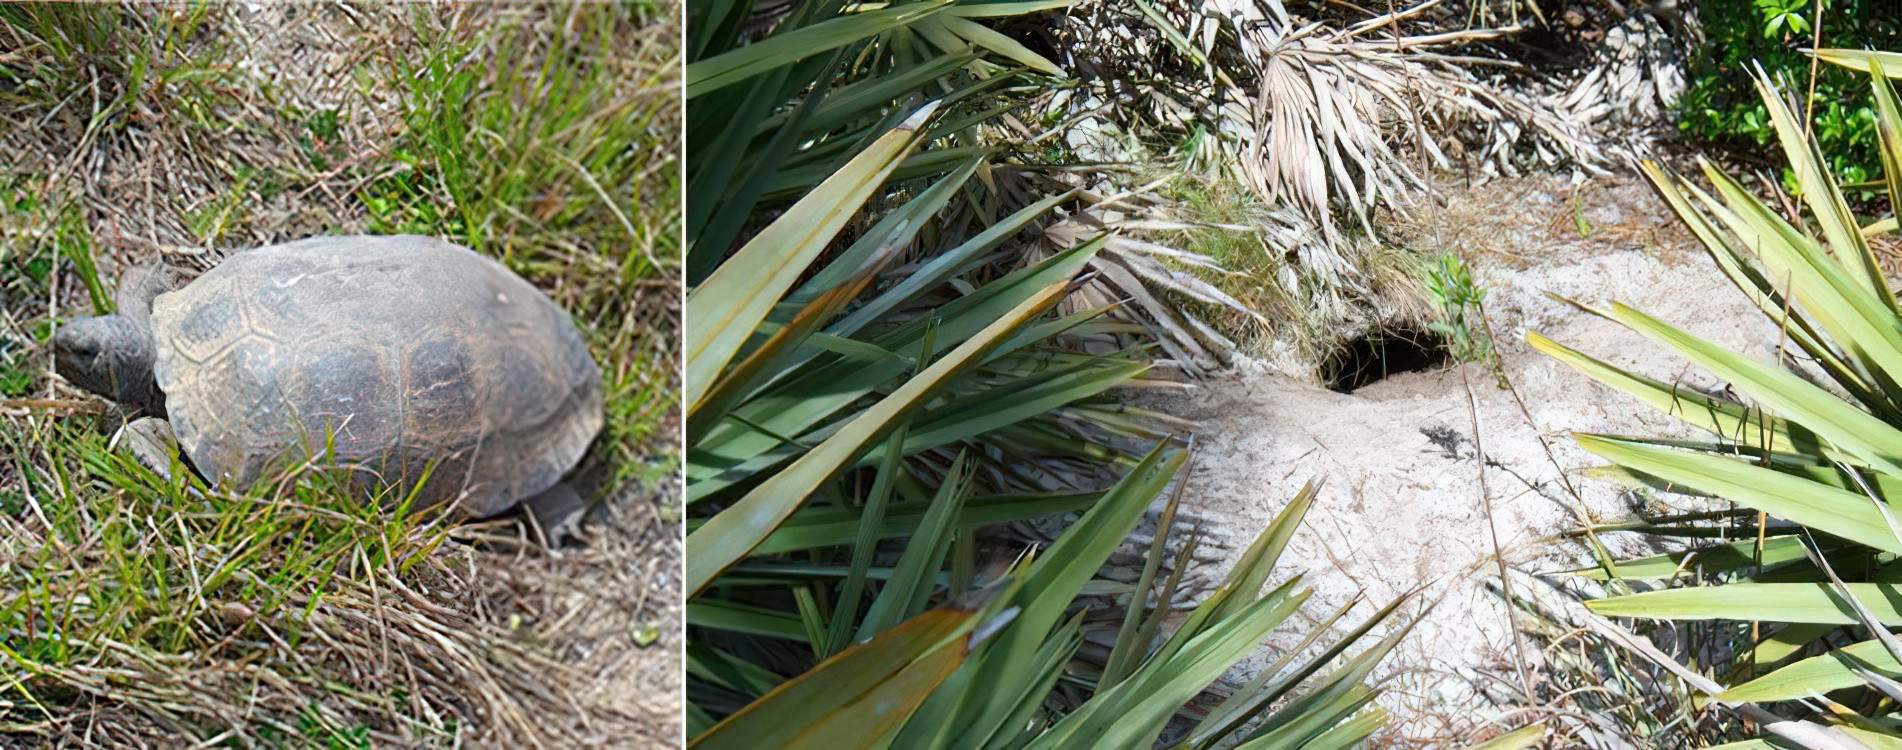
1053,582
1705,560
1779,646
1818,675
1130,713
734,187
1856,319
1050,662
816,527
1322,706
1816,467
1251,570
1825,199
1129,649
999,44
1247,707
1517,739
896,229
1317,718
1785,393
923,558
974,414
857,100
1746,276
1861,60
944,266
1815,603
810,617
856,697
784,342
1889,132
864,547
1353,732
934,31
744,618
798,180
725,670
712,176
1727,419
1001,9
817,393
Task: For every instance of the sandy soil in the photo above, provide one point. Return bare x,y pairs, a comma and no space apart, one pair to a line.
1402,502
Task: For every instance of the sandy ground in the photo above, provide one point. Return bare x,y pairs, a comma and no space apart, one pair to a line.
1402,502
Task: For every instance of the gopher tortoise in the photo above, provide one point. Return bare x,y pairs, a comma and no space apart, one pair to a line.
386,356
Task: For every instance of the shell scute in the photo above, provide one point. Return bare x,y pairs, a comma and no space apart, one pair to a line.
339,391
525,391
207,330
444,390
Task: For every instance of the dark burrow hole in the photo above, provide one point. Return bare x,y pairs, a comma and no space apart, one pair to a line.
1382,353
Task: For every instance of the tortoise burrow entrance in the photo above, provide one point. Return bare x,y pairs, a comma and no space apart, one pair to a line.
1381,353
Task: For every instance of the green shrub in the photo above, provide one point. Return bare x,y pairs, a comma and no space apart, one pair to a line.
1720,105
1458,298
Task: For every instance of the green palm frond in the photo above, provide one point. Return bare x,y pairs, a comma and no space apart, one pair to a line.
1814,440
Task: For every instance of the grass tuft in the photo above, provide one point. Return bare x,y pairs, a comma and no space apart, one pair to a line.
1312,311
110,566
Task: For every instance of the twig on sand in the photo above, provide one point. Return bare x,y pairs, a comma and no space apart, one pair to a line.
1587,524
1492,528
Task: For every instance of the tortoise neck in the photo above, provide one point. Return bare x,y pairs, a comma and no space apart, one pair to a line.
142,388
131,365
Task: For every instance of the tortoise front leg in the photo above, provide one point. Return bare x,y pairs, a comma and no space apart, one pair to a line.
150,441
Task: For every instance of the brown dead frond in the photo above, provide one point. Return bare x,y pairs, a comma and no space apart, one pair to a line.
1337,117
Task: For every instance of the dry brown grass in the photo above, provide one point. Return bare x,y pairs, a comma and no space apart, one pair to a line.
134,133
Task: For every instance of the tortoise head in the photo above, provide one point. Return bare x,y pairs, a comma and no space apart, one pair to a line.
110,355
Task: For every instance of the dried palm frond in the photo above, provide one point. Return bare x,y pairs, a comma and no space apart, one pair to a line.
1321,118
1635,76
1145,278
1321,291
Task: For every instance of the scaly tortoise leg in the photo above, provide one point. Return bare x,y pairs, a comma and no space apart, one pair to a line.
150,441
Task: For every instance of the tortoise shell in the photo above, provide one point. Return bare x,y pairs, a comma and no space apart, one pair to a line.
398,354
